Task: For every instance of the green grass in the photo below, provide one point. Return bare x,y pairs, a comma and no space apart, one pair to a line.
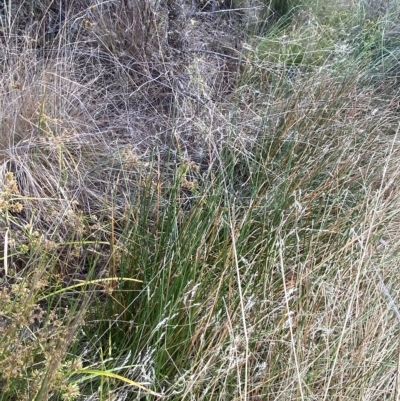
200,230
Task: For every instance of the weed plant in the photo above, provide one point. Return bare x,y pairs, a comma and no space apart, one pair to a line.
207,212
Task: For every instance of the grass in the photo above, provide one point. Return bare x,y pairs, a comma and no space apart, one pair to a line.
208,213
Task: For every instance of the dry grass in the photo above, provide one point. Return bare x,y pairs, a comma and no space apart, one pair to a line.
250,182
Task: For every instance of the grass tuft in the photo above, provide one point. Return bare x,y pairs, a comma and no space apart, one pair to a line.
207,211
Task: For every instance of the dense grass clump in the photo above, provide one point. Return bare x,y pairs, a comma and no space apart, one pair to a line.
199,200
